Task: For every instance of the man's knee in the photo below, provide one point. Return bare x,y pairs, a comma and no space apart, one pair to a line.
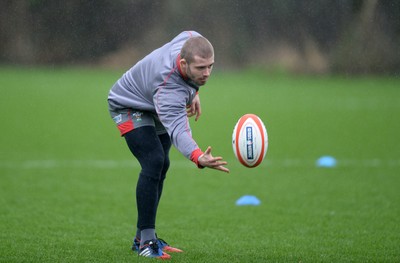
154,166
165,167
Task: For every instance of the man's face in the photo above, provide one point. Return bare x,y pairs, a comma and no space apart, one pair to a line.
200,70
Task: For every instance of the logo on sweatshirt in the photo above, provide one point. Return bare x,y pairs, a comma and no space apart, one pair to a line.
118,118
137,116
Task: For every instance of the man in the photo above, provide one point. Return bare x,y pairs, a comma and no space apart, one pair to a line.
151,104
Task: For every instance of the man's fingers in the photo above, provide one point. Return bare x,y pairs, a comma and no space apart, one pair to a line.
218,165
222,168
189,112
208,151
214,163
193,110
216,159
198,113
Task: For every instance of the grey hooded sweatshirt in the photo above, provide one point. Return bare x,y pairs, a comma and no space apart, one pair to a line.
155,84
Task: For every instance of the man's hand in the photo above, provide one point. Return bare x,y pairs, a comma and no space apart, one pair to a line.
194,108
207,160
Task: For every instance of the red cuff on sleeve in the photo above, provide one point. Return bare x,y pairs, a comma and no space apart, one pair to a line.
194,157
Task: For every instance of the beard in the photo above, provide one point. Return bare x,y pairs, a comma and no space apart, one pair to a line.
198,81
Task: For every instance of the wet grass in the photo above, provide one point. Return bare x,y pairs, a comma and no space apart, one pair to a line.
68,180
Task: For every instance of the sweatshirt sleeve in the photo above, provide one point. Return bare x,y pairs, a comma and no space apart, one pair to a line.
170,103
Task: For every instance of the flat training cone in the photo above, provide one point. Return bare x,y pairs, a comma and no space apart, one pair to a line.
248,200
326,161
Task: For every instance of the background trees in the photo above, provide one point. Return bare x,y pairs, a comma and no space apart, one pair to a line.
352,36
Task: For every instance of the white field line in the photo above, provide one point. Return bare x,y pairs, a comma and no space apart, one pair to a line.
115,164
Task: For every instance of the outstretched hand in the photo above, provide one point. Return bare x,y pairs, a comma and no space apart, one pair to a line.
207,160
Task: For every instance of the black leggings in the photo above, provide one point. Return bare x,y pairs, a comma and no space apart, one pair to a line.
152,152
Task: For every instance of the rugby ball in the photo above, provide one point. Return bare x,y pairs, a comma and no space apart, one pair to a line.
250,140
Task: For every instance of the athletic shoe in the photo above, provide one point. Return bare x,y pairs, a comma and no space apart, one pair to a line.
161,244
150,249
166,247
136,245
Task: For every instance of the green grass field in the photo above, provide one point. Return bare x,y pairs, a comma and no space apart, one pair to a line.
67,179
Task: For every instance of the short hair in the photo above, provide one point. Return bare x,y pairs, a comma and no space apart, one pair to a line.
196,46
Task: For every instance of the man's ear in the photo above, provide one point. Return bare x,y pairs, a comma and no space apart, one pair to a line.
183,63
